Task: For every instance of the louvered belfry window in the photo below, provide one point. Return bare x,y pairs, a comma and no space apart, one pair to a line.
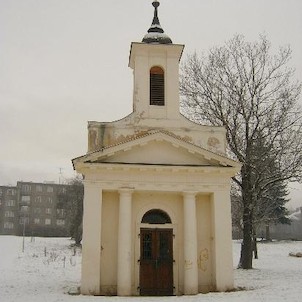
157,86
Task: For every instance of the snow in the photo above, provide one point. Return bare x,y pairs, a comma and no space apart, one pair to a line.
49,268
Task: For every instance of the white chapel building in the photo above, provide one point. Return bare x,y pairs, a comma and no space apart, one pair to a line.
157,214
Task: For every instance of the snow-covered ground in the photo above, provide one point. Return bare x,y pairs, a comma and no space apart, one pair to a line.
48,269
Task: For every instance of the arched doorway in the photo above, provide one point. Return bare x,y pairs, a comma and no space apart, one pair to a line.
156,255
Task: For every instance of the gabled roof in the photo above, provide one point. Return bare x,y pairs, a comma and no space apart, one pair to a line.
104,155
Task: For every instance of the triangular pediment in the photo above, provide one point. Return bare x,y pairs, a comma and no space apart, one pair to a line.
158,148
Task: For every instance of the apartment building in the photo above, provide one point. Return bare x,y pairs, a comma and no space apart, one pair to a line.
33,209
8,210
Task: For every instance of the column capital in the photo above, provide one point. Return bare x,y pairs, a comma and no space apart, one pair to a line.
189,193
91,183
125,191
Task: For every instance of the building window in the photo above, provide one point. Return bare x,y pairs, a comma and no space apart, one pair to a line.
50,189
39,188
47,221
48,210
156,216
62,190
157,86
8,225
24,209
25,198
50,199
11,192
24,220
9,214
37,210
39,199
60,222
37,221
60,212
26,188
10,203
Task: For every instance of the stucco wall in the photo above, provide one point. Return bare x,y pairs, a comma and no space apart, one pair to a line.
101,135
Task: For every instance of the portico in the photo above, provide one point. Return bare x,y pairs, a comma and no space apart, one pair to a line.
191,196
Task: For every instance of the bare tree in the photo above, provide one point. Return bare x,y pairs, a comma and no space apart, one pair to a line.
72,199
250,92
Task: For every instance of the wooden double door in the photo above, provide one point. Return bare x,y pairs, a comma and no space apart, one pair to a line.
156,262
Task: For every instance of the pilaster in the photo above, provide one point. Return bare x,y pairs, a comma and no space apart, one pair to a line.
91,251
190,244
222,243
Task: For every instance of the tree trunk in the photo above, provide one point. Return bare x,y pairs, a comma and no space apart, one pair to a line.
255,247
267,233
246,257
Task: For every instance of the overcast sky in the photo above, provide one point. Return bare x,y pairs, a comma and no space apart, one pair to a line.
64,62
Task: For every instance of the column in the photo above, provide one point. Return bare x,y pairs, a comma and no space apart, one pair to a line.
124,261
91,243
222,245
190,245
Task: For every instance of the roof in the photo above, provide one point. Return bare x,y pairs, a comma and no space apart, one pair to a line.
155,135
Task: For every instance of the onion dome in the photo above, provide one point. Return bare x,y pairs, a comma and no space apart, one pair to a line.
156,33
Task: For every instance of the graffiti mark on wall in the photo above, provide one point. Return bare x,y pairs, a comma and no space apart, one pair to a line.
214,143
188,264
203,258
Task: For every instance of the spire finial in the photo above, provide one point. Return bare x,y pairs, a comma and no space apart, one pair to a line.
155,32
155,21
155,3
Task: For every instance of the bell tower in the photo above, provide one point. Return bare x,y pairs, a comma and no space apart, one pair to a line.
155,64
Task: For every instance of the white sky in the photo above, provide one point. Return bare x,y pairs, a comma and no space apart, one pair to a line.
64,62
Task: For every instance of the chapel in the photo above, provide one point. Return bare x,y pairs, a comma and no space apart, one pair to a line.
157,213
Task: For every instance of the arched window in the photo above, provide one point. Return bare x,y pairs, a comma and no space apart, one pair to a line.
156,216
157,86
